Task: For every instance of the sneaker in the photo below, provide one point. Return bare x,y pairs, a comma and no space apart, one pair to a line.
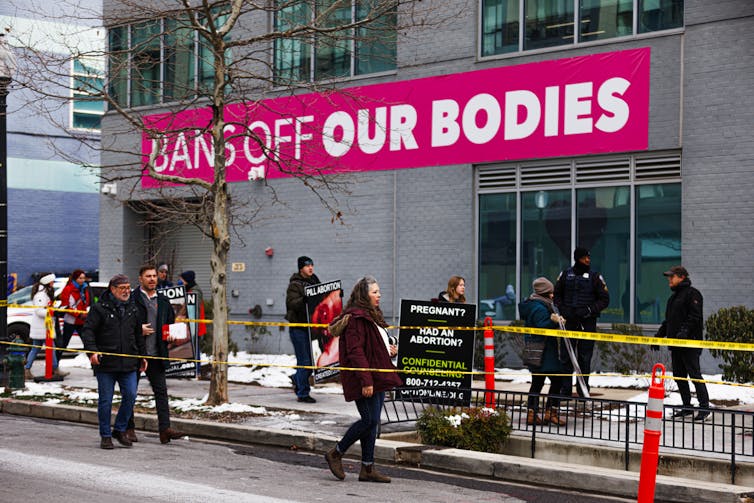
106,443
120,436
683,412
306,399
703,415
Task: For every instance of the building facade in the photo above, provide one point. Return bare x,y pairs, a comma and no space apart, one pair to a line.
620,125
53,138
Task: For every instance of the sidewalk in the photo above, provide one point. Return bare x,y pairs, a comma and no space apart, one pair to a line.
317,426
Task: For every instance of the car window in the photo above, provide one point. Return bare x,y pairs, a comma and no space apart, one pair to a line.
21,296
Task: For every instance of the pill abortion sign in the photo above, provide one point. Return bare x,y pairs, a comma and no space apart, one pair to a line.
574,106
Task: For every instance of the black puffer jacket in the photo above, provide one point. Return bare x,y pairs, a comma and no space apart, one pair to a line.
295,297
105,331
684,313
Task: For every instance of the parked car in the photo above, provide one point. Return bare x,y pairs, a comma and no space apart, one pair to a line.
20,317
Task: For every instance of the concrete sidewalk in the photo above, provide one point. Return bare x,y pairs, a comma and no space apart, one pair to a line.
318,426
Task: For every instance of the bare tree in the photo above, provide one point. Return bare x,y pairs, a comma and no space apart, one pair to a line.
243,50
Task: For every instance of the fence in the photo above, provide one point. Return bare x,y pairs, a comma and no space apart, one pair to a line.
726,432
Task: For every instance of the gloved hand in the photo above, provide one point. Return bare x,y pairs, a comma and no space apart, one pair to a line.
556,318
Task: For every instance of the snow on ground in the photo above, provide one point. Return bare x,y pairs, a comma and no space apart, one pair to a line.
274,370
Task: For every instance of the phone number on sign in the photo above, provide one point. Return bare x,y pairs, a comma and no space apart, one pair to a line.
431,383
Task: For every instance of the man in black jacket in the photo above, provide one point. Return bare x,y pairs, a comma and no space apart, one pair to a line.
684,320
112,330
295,305
580,295
155,312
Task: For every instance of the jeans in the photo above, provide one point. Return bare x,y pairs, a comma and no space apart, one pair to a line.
156,375
106,388
685,362
365,429
65,338
37,346
303,349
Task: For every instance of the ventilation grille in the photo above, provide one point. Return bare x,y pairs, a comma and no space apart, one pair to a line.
545,175
605,170
649,168
497,178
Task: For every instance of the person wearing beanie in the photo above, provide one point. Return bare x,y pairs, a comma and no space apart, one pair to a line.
580,296
538,311
684,319
115,345
295,312
188,278
43,292
162,277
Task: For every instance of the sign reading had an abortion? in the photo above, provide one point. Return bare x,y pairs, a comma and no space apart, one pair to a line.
435,357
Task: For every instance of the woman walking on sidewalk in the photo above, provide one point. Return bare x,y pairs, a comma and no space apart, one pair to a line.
363,344
42,295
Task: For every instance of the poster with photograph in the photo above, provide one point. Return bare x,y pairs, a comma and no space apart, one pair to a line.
183,342
324,302
438,355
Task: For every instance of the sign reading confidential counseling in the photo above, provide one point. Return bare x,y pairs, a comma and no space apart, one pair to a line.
581,105
435,356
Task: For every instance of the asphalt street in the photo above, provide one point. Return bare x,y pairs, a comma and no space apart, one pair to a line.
44,460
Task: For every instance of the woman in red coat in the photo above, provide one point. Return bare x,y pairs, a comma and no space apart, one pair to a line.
75,296
363,344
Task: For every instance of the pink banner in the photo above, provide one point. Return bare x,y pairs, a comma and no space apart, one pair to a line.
575,106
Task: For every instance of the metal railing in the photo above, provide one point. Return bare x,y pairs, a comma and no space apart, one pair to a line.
725,432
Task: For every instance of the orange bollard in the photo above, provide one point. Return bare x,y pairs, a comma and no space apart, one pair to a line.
489,363
652,430
49,331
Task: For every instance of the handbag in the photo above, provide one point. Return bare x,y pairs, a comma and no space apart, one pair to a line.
533,353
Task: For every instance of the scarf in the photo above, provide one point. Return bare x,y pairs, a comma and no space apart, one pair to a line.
546,300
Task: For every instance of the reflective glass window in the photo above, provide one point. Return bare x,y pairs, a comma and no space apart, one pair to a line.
179,60
545,235
118,64
603,226
333,50
145,63
497,256
548,23
658,247
500,20
293,55
655,15
599,19
376,43
88,106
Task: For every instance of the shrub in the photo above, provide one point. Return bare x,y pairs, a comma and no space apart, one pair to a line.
474,429
733,324
628,358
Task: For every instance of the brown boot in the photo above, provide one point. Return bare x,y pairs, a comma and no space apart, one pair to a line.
369,473
335,462
131,435
28,376
169,433
553,417
533,418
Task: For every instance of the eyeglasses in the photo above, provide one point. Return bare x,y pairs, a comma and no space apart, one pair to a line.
123,288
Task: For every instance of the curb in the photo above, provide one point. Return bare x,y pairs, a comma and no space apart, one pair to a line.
501,467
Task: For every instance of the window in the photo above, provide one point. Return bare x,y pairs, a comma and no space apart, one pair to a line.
88,108
552,23
532,215
158,61
335,53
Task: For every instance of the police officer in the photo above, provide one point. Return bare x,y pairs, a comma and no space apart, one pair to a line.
580,295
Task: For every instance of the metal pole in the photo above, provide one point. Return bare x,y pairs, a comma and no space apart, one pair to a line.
4,83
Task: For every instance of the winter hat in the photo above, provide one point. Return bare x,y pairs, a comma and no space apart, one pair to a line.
47,279
677,270
542,286
189,277
304,261
580,252
117,280
163,267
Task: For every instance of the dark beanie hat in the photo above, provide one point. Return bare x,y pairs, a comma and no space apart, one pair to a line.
304,261
580,252
189,277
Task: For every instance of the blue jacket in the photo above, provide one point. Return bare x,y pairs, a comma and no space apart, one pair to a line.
536,315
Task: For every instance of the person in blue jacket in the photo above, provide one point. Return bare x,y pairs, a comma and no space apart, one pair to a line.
538,312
